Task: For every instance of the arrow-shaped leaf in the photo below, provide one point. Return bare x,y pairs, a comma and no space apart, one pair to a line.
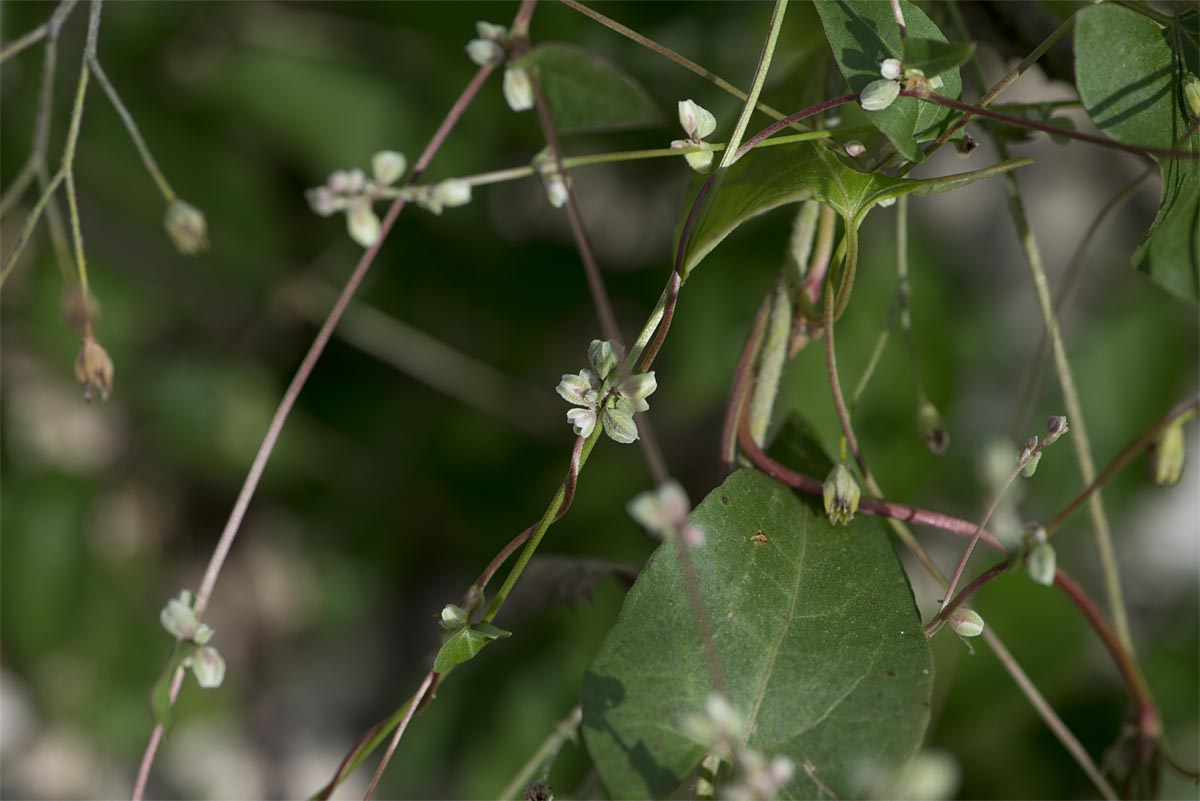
462,644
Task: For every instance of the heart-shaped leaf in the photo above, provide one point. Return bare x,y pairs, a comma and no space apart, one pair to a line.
460,645
1137,98
863,33
816,632
589,93
770,177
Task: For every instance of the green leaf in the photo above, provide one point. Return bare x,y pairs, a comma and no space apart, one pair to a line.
935,57
589,93
770,177
816,632
1137,98
460,645
160,693
862,34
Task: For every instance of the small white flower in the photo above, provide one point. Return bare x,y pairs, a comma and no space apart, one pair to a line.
486,30
453,617
208,666
324,202
388,166
603,356
878,95
556,191
452,192
581,389
484,52
663,510
518,90
362,223
697,121
855,148
583,421
179,619
890,68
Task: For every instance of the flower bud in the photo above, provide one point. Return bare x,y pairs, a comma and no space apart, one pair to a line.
209,667
1056,426
697,122
94,369
966,622
841,495
539,791
187,228
855,148
890,68
518,90
484,52
966,145
1041,563
362,223
452,192
453,617
929,423
388,166
878,95
603,356
488,30
1167,455
1191,95
324,201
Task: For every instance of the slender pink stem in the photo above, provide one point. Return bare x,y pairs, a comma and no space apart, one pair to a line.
391,749
258,466
740,389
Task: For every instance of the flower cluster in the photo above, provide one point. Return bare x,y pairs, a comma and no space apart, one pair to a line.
663,511
178,617
878,95
698,122
352,192
719,729
603,395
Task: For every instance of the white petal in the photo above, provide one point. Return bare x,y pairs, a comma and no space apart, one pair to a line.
209,667
619,425
584,421
178,619
696,120
700,160
388,166
518,91
639,386
575,389
362,223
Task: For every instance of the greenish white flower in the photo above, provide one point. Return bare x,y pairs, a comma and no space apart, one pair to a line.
1168,455
208,666
966,622
663,511
187,228
1042,563
697,122
604,397
388,166
453,617
878,95
362,222
484,52
518,90
452,192
179,619
841,495
890,68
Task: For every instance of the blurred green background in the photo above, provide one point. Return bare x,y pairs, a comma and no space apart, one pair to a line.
387,494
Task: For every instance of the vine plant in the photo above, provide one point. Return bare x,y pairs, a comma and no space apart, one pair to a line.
771,646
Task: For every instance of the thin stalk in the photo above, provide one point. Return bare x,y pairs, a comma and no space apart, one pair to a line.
984,578
1183,409
760,77
395,741
134,132
849,269
544,756
671,55
29,225
275,428
1066,382
26,40
68,167
740,390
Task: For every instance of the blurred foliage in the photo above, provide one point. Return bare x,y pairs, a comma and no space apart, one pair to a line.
386,498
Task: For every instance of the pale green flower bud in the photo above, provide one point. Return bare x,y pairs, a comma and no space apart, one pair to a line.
362,223
878,95
452,192
890,68
929,423
1167,455
841,495
187,228
855,148
1191,95
966,622
484,52
453,617
487,30
618,422
700,160
209,667
518,90
1041,563
603,357
388,166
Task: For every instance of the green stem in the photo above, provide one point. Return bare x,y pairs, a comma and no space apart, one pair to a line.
68,166
849,269
671,55
544,756
760,77
551,514
131,126
28,226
